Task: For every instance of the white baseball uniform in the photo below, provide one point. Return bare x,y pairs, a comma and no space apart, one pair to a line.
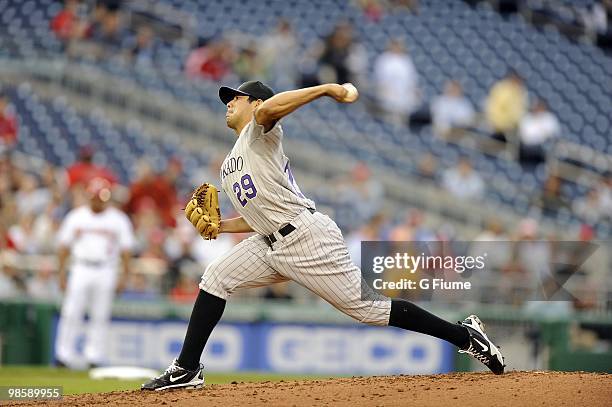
96,241
257,177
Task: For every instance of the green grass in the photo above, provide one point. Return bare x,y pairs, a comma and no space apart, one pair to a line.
78,382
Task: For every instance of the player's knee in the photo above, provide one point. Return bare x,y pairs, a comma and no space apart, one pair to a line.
214,281
368,315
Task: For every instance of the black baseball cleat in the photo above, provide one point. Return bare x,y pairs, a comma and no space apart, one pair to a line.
176,377
481,347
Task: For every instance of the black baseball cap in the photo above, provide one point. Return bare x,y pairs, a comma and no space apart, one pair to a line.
255,89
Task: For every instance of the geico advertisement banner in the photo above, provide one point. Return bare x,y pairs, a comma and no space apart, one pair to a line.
282,348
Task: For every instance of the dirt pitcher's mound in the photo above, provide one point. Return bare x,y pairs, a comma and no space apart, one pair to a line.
459,389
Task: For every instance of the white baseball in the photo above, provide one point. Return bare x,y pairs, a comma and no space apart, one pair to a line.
352,93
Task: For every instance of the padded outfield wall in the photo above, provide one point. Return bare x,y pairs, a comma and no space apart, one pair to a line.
313,339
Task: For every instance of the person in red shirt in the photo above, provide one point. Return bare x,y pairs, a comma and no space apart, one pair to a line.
8,125
157,188
185,291
210,61
84,170
66,24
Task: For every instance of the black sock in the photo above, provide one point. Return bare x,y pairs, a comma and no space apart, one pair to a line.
406,315
207,311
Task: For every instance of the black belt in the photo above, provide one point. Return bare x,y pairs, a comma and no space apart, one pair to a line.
284,231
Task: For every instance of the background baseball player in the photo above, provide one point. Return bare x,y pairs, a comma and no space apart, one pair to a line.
292,240
96,236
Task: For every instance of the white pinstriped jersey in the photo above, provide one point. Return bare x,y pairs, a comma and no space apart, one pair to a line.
257,178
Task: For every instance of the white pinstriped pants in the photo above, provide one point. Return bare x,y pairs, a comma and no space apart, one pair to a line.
314,255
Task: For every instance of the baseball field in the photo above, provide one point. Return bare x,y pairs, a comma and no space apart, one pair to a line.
254,389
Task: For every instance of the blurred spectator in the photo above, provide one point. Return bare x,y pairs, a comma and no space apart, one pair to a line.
279,50
415,220
7,173
186,290
589,208
492,232
527,243
140,51
605,195
412,228
110,34
11,283
96,17
154,248
8,207
157,190
427,167
506,105
341,59
44,285
396,81
138,289
179,262
364,194
50,179
8,125
22,235
249,64
595,18
535,128
493,241
372,9
402,233
210,60
603,26
147,223
462,181
370,231
451,110
551,198
278,291
66,24
32,198
46,225
84,170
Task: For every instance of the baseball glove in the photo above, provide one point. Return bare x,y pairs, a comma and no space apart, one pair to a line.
203,211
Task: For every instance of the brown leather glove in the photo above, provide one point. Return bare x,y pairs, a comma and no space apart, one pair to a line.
203,211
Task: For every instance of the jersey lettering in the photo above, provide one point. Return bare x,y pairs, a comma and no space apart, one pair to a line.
232,165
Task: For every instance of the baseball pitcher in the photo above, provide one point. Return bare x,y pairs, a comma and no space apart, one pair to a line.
292,242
